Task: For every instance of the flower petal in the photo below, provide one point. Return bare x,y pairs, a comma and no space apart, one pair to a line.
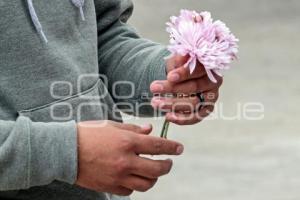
193,64
211,76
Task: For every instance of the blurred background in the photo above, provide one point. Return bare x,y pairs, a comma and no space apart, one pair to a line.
237,158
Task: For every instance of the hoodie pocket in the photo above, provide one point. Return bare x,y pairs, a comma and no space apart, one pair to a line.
92,104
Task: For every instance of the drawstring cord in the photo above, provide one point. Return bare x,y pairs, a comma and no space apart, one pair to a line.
36,22
79,4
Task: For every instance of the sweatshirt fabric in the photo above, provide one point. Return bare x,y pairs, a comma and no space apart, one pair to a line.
60,61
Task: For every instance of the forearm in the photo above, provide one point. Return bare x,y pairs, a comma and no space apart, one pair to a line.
124,56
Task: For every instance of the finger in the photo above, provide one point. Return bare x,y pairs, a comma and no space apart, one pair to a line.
183,119
137,183
176,62
194,117
192,86
157,146
145,129
183,74
186,104
148,168
207,107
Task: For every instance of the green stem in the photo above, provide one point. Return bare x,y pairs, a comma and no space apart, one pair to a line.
164,131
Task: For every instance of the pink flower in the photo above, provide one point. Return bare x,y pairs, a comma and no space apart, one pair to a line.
203,40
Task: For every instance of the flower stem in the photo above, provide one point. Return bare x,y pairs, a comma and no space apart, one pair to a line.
164,131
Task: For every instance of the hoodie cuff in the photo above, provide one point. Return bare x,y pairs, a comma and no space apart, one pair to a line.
159,64
52,152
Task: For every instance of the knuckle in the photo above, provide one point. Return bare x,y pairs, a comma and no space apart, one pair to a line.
127,143
158,146
122,165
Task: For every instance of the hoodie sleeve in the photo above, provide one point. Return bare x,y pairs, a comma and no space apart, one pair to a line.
125,56
35,154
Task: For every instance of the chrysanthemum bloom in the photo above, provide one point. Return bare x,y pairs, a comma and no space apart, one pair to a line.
203,40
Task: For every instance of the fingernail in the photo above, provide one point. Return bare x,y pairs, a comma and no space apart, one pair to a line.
146,126
174,77
179,150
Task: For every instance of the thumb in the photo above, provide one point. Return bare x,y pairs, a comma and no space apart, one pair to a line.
176,61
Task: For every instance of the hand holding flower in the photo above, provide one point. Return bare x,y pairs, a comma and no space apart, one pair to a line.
184,110
200,50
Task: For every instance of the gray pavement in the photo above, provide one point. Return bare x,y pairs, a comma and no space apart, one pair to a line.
239,159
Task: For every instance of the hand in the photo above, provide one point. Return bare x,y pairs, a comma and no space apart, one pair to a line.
185,111
109,161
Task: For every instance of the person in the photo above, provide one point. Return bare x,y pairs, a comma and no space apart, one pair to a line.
67,68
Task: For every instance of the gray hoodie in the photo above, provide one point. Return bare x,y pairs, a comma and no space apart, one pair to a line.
59,60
